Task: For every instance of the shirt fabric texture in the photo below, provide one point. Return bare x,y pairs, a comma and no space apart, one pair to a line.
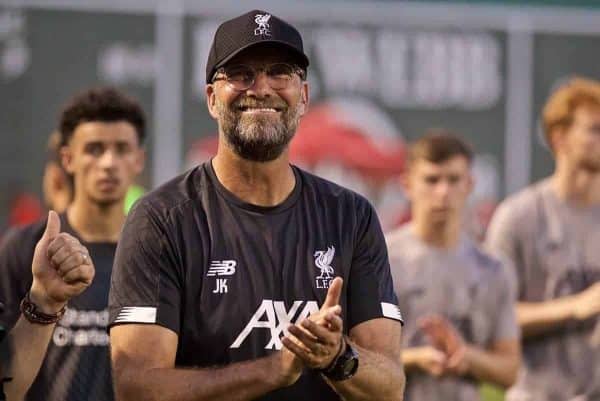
77,363
228,276
555,249
465,285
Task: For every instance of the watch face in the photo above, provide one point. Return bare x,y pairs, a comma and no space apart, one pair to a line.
346,365
350,366
349,363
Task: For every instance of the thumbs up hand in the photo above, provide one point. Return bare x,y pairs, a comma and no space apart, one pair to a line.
61,267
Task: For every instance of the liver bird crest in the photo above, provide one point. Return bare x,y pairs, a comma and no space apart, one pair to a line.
263,24
323,261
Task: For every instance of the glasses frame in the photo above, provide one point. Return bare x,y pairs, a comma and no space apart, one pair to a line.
257,70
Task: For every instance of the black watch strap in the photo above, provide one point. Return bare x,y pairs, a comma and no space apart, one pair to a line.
345,365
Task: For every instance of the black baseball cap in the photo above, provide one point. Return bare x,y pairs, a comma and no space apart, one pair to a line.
256,27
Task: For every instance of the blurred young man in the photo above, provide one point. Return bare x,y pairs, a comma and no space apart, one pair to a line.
61,269
102,132
457,301
224,286
551,231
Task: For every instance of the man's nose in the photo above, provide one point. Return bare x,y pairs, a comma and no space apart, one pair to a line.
108,159
260,87
443,188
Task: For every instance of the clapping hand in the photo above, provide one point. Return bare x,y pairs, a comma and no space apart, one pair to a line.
318,339
444,337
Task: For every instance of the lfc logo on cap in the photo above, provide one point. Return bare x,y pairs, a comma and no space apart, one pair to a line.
263,24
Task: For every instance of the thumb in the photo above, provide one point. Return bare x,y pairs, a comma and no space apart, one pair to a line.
334,292
52,226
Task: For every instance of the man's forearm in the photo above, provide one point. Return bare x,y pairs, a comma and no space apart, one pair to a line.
28,343
378,379
540,317
492,367
236,382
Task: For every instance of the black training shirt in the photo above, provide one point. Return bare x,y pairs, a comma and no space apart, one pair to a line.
77,363
228,276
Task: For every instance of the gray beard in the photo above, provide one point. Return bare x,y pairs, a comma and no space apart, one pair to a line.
257,138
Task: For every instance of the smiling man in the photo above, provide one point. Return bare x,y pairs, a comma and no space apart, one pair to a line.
101,132
225,285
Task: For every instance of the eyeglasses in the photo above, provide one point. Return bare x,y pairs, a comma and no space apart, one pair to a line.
241,76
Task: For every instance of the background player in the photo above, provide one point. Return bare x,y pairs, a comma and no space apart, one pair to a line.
551,231
102,132
457,300
61,269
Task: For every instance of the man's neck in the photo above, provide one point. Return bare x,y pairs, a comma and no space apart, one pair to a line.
262,184
96,223
575,185
444,235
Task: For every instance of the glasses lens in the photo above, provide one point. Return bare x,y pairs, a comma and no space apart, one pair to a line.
279,74
240,76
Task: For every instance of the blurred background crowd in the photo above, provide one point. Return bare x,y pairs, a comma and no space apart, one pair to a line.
382,73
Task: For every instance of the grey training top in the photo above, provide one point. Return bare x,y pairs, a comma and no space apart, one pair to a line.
466,286
555,248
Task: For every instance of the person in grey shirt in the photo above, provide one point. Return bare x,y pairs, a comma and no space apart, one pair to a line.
551,231
457,301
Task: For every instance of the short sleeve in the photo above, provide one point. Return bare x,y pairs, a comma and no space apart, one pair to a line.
370,289
16,255
146,282
502,241
506,326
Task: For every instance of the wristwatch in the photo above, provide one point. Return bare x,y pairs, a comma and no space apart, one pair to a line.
344,366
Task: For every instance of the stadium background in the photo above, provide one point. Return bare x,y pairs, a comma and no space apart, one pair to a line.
382,73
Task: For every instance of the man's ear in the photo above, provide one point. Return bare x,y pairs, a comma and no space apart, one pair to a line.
304,97
471,181
405,182
556,138
66,158
140,161
211,100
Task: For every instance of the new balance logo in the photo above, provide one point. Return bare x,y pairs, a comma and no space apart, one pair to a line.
221,268
273,315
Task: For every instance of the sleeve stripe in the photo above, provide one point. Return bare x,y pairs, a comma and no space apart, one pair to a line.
137,314
391,311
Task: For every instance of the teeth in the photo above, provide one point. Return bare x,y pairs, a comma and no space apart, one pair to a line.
259,109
